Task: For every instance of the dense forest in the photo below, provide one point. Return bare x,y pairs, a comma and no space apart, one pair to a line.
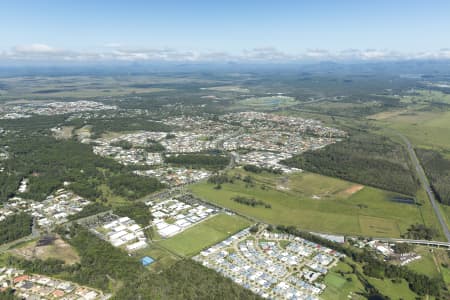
199,160
186,280
15,227
102,265
48,162
437,169
363,158
137,211
132,186
256,169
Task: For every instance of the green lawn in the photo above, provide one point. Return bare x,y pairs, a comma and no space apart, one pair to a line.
205,234
426,264
393,290
341,287
338,287
337,210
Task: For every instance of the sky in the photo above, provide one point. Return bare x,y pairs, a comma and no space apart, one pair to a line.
91,30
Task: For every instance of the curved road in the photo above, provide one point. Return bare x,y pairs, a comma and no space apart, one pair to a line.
426,185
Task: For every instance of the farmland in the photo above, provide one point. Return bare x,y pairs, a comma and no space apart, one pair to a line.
424,129
309,199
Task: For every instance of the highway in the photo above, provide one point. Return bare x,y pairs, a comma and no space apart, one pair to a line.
416,242
426,185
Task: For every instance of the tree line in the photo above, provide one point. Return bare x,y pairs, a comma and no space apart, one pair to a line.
250,201
256,169
199,160
364,158
437,169
137,211
14,227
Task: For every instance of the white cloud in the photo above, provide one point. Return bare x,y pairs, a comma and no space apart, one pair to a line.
112,45
117,52
35,49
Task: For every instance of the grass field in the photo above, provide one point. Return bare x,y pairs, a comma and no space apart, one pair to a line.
393,290
425,129
426,265
339,206
205,234
348,286
268,102
162,257
338,287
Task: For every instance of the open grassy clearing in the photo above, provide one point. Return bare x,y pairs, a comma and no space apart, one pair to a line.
56,250
112,199
163,259
368,211
268,101
205,234
427,264
393,290
425,129
426,97
339,288
342,287
83,132
343,284
65,132
434,263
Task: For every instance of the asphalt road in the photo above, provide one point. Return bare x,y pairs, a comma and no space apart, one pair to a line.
426,185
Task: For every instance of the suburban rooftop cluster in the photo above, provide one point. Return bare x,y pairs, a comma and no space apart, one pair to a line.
55,209
272,265
34,286
120,232
175,176
129,156
270,160
173,216
50,109
387,250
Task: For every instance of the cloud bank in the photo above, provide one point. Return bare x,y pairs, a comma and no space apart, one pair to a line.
117,52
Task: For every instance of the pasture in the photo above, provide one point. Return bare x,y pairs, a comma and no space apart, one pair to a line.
314,202
425,129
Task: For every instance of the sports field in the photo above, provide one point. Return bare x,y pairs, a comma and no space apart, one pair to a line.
205,234
315,202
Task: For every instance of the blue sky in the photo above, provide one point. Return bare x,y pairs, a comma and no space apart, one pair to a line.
214,28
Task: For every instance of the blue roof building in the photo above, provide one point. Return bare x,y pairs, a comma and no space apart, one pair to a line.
147,261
